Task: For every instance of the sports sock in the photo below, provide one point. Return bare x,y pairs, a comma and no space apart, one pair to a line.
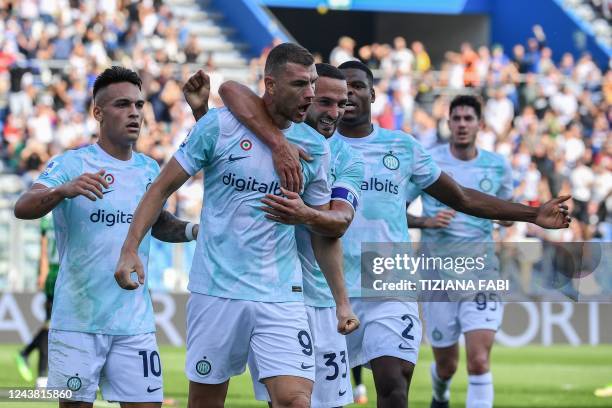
357,375
480,391
43,357
34,344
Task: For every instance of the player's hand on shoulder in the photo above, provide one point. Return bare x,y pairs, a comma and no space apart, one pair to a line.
347,320
554,214
129,262
89,185
286,159
289,209
197,91
441,220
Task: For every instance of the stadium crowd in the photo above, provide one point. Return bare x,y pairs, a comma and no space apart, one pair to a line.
550,119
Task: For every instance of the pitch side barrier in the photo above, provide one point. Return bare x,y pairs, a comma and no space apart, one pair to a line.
554,292
534,322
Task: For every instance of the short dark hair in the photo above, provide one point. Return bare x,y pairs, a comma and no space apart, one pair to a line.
360,66
115,75
466,100
329,71
285,53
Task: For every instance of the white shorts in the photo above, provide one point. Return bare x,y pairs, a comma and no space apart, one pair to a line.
332,387
126,368
446,321
222,332
388,328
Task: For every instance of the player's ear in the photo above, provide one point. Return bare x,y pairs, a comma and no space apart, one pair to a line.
269,84
97,113
372,94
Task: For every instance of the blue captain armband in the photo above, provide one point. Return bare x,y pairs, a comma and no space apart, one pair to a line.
344,194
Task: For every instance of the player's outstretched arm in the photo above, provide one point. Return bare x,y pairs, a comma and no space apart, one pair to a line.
169,228
552,214
169,180
250,110
328,252
40,199
441,220
331,221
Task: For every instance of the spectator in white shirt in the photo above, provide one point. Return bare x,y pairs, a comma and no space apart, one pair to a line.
565,105
343,51
499,112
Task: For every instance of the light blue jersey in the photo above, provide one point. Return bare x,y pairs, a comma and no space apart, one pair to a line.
346,175
89,238
240,254
466,235
392,160
489,173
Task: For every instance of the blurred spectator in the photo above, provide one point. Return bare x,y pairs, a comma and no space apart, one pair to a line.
401,56
499,112
469,59
192,49
582,181
565,105
343,51
422,62
519,59
367,56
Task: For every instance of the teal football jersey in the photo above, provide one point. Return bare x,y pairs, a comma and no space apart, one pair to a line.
89,237
346,175
392,160
240,254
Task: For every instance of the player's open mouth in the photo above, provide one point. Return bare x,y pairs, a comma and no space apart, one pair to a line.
349,107
133,126
327,122
303,109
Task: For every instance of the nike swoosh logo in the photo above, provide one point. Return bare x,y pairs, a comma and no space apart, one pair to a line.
306,367
341,393
401,347
149,389
107,191
234,158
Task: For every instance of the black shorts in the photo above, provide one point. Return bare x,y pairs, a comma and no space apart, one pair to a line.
48,307
580,211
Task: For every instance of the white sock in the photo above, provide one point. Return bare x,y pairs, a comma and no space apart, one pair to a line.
441,388
480,391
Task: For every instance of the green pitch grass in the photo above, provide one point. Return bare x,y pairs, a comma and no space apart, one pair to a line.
543,377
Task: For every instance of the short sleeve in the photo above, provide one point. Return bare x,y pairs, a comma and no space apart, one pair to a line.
412,192
61,169
153,167
197,150
506,189
425,171
347,186
317,191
